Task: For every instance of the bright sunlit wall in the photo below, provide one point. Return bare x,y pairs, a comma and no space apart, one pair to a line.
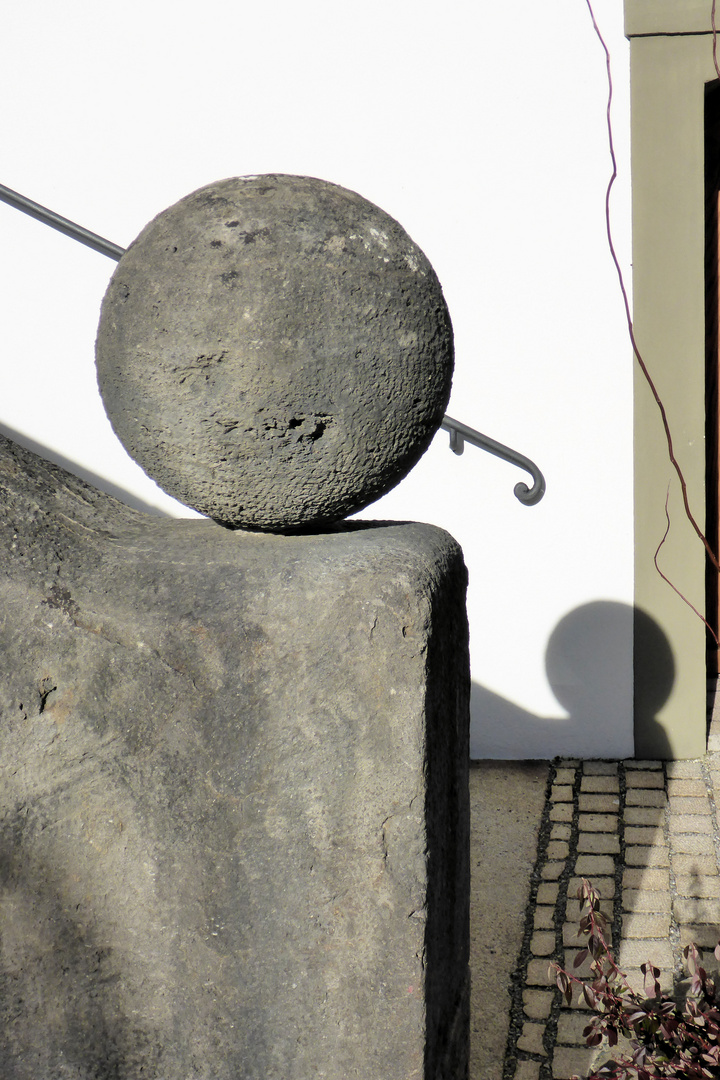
482,130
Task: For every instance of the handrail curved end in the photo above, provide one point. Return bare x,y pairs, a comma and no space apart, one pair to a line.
530,496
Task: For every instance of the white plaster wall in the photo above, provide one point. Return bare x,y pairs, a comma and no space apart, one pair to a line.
481,128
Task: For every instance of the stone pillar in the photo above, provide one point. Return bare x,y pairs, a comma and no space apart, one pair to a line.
234,809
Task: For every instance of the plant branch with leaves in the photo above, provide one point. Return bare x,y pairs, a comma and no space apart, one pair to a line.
668,1038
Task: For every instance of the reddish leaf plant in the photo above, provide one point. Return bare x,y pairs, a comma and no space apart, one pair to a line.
669,1038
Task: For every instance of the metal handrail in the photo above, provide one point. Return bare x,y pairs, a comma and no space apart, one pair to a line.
63,225
459,433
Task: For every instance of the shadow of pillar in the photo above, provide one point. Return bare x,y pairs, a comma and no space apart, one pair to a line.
654,676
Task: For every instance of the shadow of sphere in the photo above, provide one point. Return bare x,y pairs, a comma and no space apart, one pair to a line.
654,664
589,648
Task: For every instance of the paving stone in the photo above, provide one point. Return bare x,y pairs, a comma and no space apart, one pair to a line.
696,911
644,815
600,783
571,1061
694,788
645,779
558,849
692,844
684,769
544,917
561,812
599,802
551,871
599,842
527,1070
582,971
569,763
640,855
690,823
573,939
706,935
542,943
696,885
633,953
634,763
598,822
537,974
578,1003
645,925
531,1040
590,865
694,864
604,885
645,900
547,892
537,1003
600,768
655,878
561,793
680,804
642,834
570,1028
636,979
560,831
645,797
565,776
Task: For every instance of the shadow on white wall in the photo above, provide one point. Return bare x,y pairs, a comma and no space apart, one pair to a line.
589,663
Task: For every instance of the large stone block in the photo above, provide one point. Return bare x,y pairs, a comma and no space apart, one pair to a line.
233,807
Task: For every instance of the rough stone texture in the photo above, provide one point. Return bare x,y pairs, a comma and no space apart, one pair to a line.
234,802
275,351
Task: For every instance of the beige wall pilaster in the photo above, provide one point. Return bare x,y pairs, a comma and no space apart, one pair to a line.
671,61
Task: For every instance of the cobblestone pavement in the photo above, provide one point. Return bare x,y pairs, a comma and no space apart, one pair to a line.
646,834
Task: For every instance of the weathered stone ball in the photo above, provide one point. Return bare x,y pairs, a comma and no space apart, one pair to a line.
275,351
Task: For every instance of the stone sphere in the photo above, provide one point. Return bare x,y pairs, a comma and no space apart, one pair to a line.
275,351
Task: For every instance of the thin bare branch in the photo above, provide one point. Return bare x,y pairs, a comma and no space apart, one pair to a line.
669,582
